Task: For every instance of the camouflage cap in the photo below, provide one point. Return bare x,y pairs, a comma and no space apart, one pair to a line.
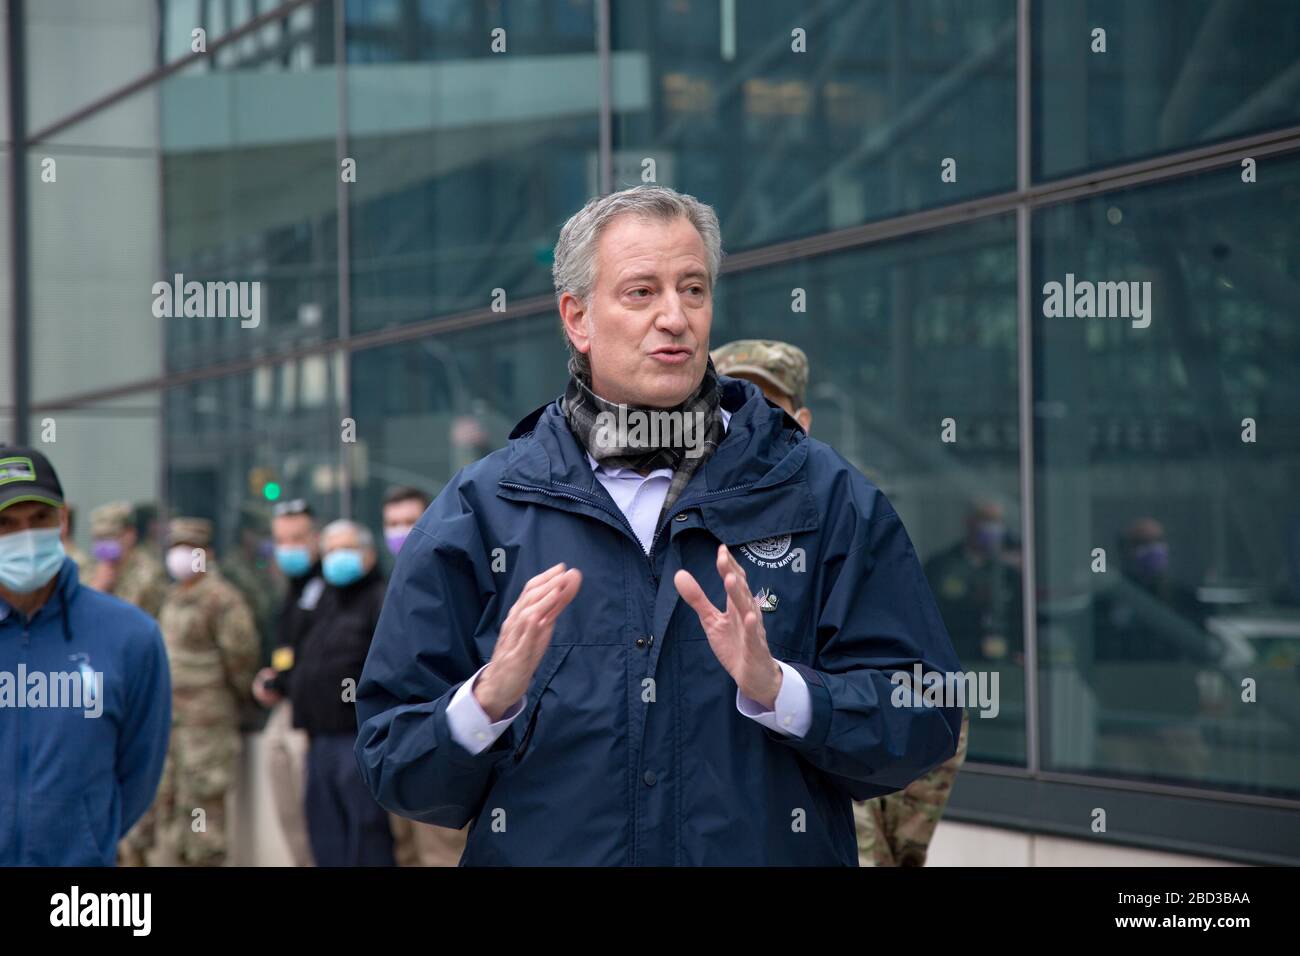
192,531
110,520
779,364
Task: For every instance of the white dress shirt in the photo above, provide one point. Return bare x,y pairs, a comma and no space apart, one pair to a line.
640,499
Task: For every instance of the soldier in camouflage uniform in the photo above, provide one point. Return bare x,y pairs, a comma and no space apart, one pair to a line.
124,569
213,649
896,829
247,566
893,830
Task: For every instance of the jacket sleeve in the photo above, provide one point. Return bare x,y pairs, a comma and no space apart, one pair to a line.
877,618
423,650
146,728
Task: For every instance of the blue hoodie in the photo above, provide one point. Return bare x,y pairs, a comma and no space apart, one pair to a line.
77,769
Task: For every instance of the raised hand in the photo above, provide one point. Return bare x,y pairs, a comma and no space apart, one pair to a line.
736,634
525,635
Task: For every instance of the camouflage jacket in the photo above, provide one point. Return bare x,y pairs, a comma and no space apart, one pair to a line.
142,581
212,648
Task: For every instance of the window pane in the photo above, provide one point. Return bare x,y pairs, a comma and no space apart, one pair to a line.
217,177
901,336
466,160
237,445
105,452
79,50
1140,452
1175,74
461,393
784,143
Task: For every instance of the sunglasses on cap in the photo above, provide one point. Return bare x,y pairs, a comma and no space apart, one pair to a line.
296,506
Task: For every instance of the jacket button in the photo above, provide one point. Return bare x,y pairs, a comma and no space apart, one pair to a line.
640,642
681,517
650,778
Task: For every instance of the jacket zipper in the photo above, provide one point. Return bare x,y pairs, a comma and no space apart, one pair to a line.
584,498
20,791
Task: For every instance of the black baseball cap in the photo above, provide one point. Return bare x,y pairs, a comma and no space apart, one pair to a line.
27,475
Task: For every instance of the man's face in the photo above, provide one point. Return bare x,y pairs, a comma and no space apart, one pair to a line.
346,538
26,515
402,514
294,531
646,328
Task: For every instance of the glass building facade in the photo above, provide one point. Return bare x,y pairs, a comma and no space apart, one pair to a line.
914,174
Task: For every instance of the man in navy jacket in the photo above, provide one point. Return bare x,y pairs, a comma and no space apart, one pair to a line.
85,691
662,626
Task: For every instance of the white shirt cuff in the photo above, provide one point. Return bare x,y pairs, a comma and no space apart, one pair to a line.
792,715
470,725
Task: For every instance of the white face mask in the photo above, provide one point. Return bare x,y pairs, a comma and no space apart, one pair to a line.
180,562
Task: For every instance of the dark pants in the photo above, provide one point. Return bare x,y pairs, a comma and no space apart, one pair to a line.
344,823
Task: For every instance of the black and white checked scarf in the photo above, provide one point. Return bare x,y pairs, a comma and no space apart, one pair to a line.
582,406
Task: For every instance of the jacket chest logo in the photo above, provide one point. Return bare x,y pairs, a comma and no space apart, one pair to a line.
772,552
765,599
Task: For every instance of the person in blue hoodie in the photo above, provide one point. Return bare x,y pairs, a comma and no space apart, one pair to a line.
85,692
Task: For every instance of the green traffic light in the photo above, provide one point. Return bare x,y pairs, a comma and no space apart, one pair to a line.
271,491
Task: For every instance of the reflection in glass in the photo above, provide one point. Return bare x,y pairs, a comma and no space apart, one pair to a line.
785,144
901,336
1174,74
1168,456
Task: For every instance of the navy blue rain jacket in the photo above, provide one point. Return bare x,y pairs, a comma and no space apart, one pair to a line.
592,772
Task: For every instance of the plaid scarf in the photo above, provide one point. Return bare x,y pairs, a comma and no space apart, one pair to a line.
630,436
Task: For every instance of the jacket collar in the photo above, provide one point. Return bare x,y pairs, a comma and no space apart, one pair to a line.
761,459
763,446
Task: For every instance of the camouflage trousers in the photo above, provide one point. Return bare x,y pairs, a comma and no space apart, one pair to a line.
190,807
896,829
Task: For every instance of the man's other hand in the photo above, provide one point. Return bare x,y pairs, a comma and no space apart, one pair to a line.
735,634
523,640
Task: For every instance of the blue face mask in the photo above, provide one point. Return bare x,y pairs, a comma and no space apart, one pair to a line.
294,562
28,559
342,567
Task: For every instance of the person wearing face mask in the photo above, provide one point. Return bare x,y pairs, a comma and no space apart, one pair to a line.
212,647
1147,614
78,773
978,589
296,554
403,507
345,824
124,568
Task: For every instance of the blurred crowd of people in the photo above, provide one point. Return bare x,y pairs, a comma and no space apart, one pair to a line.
270,636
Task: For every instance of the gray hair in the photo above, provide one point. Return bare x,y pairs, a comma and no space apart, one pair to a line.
574,270
365,539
